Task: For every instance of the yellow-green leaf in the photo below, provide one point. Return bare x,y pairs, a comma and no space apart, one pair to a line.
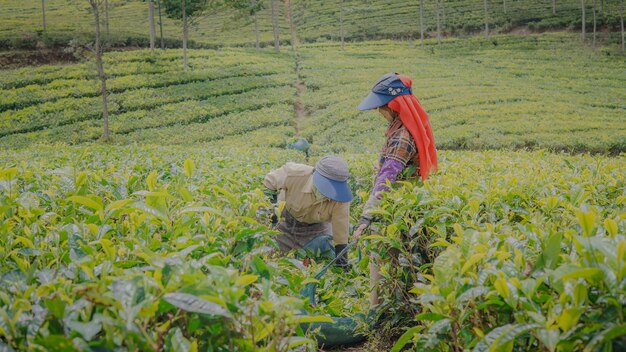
471,261
88,202
299,319
8,174
502,288
310,281
589,274
611,227
568,318
246,280
586,220
151,180
189,167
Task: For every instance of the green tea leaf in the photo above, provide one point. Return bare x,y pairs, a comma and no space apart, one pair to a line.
179,343
88,202
499,339
589,274
406,337
191,303
88,330
587,221
568,318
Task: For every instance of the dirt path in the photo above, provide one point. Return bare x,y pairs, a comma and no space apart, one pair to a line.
298,105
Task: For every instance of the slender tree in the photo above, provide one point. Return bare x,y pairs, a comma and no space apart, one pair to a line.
275,27
185,32
256,27
106,16
95,7
292,25
43,14
249,7
621,17
584,20
187,11
422,21
594,24
341,22
151,21
554,7
160,25
486,19
504,5
438,10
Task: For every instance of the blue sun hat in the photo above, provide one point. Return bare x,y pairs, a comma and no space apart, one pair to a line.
331,178
385,90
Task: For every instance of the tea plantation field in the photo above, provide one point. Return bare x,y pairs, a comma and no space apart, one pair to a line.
161,240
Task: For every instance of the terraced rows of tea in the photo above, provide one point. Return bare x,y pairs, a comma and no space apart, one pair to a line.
483,94
541,91
225,93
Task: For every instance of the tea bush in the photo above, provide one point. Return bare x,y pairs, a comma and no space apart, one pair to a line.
508,251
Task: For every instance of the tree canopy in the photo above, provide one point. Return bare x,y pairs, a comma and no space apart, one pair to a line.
174,8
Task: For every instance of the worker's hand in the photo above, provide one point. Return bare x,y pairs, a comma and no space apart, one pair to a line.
359,230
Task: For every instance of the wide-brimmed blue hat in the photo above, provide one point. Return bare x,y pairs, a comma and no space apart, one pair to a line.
385,89
331,178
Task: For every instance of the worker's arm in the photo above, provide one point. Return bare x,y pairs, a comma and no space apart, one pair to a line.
341,223
341,227
275,179
274,182
388,172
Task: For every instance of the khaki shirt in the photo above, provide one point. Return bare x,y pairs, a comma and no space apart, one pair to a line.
296,180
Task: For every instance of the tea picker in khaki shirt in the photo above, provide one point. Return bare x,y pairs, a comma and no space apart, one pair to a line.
317,205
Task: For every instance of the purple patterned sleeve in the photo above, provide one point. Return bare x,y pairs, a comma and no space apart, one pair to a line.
389,171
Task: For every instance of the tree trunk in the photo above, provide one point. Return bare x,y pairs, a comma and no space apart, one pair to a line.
43,14
341,22
584,20
504,5
292,25
275,26
594,24
621,16
438,22
106,16
100,67
185,33
486,19
161,25
443,14
422,21
151,21
554,7
256,32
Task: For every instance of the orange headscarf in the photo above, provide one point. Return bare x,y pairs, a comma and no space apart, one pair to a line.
416,121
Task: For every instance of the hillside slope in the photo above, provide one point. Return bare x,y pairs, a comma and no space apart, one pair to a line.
541,91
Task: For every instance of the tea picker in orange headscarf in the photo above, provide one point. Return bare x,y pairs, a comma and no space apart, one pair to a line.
409,145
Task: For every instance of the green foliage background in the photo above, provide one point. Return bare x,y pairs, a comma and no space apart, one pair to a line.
316,20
